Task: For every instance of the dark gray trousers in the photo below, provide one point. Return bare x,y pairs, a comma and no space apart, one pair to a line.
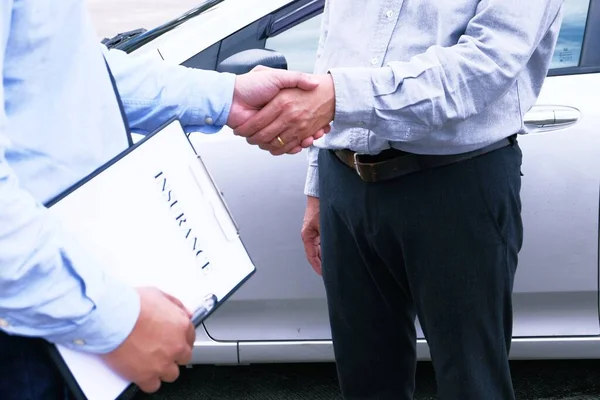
27,372
440,244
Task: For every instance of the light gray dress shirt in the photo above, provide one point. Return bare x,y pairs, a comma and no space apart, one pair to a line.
432,76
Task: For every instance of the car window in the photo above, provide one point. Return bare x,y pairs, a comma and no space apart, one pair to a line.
570,40
299,44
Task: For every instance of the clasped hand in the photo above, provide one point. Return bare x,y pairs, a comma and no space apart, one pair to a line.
282,111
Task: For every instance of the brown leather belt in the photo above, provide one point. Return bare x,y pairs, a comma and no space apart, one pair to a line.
392,163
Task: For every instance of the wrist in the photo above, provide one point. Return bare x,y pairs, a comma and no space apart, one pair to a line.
327,87
233,109
311,200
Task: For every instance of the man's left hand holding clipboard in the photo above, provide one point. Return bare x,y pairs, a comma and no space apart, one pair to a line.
173,342
60,121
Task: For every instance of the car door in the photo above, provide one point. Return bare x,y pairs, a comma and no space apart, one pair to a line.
284,300
556,288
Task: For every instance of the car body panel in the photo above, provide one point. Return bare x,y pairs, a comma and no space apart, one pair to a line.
556,286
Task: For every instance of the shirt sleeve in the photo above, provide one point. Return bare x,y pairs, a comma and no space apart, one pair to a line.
405,101
154,91
49,287
311,187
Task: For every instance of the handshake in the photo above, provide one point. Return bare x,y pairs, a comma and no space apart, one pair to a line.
282,111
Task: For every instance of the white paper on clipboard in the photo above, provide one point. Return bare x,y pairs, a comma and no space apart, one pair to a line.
154,218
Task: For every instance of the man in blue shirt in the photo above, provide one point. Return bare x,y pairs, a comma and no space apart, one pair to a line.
413,199
60,120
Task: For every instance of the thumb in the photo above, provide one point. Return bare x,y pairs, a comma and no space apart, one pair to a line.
288,80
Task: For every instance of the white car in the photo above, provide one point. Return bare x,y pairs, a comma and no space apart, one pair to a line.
280,315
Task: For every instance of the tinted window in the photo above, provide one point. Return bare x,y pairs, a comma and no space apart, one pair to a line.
570,39
299,44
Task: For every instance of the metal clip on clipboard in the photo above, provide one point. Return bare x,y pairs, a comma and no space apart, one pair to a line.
233,232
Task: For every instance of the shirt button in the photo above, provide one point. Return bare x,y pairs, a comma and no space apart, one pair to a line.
374,61
79,342
389,14
209,121
4,323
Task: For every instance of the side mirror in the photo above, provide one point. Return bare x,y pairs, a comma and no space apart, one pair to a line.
245,61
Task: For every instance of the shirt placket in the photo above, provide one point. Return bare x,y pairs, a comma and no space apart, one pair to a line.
381,35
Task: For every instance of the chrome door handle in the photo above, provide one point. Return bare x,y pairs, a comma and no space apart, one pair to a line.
551,117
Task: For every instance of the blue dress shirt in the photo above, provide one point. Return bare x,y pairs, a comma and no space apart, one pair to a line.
60,120
432,76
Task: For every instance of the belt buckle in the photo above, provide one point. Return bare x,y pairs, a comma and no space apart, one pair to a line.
356,166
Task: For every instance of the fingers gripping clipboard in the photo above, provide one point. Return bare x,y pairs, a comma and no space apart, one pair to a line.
152,216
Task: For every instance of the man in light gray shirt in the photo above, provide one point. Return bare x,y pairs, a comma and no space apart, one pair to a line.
414,196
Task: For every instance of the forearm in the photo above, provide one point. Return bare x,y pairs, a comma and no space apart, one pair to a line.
404,101
154,91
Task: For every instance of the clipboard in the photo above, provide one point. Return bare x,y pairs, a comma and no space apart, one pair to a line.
155,202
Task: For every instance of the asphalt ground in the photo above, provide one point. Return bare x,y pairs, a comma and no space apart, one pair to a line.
539,380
